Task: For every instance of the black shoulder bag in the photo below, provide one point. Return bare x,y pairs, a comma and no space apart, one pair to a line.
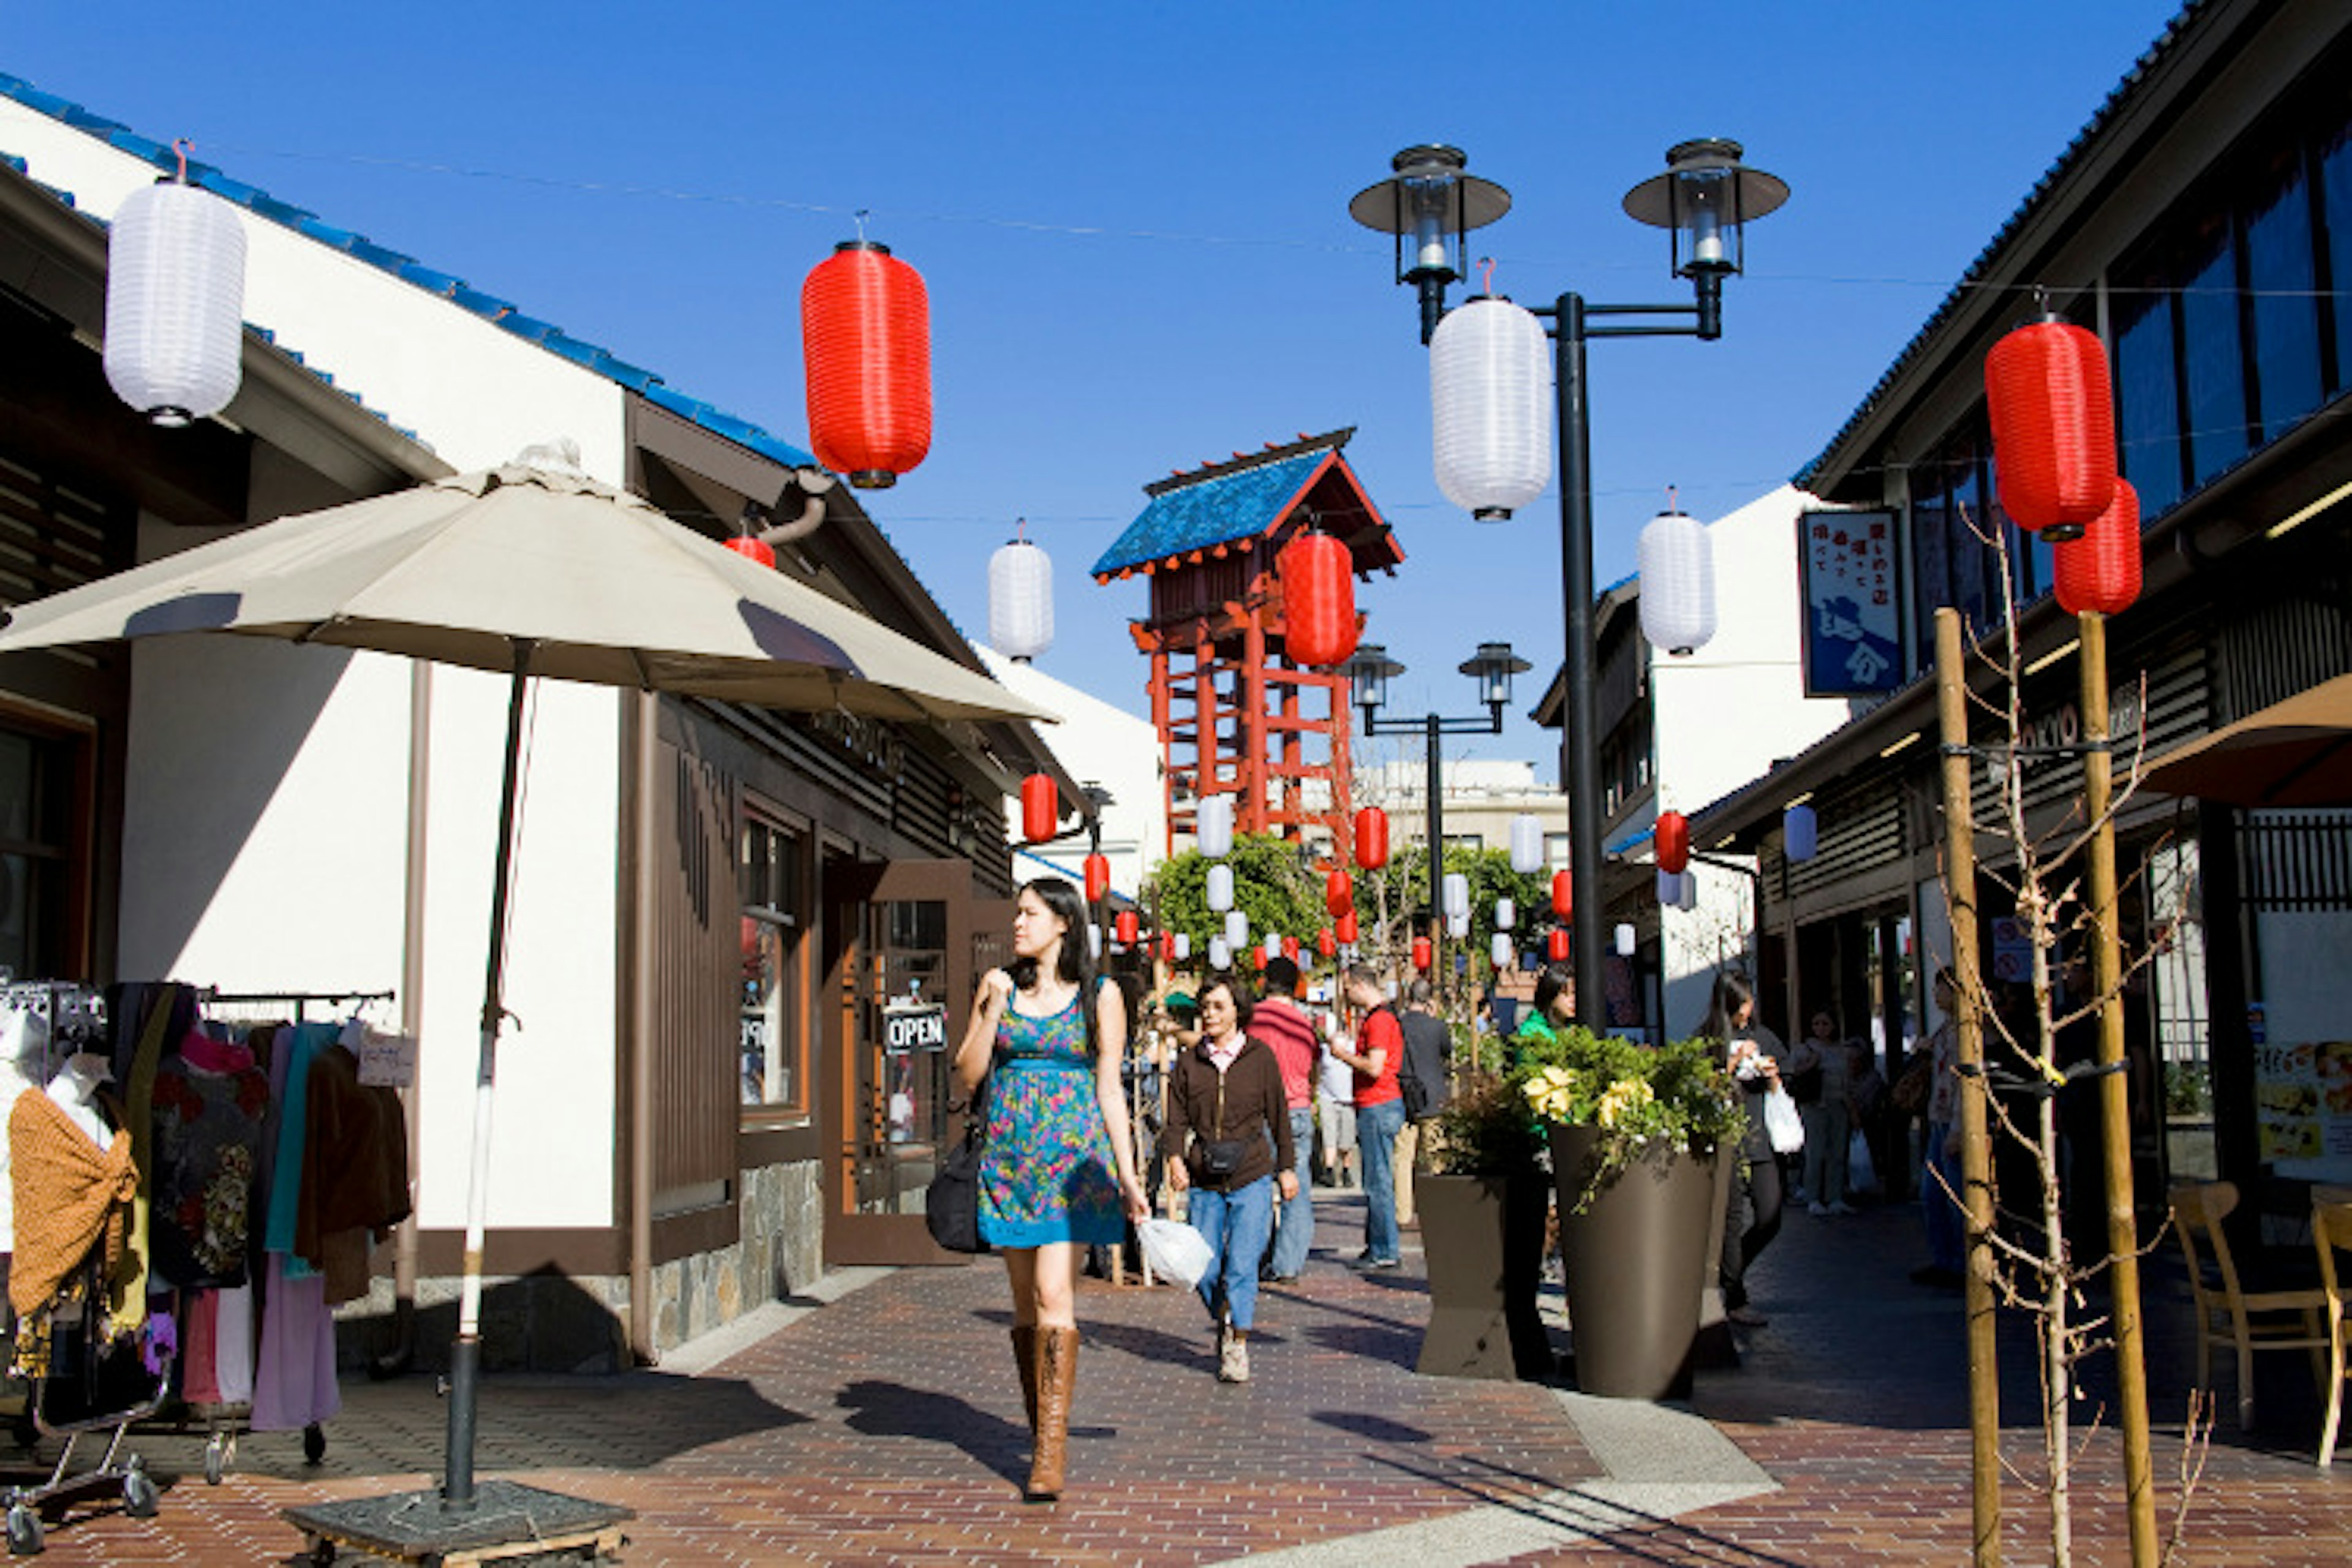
951,1203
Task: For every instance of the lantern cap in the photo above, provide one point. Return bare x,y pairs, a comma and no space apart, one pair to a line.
1653,201
875,246
1438,169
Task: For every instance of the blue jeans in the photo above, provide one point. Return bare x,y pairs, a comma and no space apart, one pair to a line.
1946,1224
1234,1223
1377,1127
1297,1231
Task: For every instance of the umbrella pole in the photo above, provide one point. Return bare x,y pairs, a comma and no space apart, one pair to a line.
465,1354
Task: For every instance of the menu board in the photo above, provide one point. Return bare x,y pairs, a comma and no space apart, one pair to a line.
2302,1106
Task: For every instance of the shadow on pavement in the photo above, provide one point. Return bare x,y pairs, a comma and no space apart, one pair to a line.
895,1410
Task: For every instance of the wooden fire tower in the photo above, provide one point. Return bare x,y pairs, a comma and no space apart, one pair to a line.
1235,716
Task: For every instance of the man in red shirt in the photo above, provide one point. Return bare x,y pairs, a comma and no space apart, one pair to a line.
1278,1020
1377,1049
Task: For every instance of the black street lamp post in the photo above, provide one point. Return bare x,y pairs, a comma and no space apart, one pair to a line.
1493,665
1703,200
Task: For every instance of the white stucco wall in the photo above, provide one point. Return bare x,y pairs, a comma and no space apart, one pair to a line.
331,833
1102,744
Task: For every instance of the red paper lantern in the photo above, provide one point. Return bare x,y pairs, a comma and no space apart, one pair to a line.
1673,842
751,548
1371,838
1326,944
1125,927
1098,872
1556,944
1339,893
2100,571
1167,947
1290,948
1563,893
1318,599
1420,953
1347,928
2053,410
1040,807
866,333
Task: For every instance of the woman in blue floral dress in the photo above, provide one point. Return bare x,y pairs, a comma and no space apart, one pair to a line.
1059,1170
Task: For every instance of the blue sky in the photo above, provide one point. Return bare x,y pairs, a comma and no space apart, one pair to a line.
1132,221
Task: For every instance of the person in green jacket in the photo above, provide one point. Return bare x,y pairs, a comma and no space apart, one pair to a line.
1540,1025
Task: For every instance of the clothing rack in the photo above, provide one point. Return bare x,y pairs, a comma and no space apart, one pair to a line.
300,1000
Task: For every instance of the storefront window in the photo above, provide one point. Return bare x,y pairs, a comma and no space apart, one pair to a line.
2215,351
774,989
2336,217
36,772
2279,272
2147,395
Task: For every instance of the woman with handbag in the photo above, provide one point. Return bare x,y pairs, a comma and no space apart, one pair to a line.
1227,1142
1753,1054
1058,1171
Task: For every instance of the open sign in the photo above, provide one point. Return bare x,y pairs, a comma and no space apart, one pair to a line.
910,1029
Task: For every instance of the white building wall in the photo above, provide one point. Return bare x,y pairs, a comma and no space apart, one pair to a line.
1098,744
335,823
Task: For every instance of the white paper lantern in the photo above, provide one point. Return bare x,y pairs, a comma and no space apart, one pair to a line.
174,303
1182,945
1093,942
1458,926
1214,826
1268,951
1688,895
1526,844
1456,891
1490,406
1507,914
1221,956
1501,952
1625,942
1221,888
1800,832
1678,567
1236,928
1020,600
1670,888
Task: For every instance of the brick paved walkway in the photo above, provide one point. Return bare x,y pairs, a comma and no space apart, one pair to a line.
887,1428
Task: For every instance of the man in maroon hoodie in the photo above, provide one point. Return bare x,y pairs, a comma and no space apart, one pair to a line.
1278,1020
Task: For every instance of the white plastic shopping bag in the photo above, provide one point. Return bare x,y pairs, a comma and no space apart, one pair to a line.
1781,1122
1860,1175
1175,1249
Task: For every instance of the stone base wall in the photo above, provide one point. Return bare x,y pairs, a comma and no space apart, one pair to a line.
554,1322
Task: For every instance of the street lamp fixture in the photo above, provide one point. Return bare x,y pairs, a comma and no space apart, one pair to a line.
1492,666
1704,200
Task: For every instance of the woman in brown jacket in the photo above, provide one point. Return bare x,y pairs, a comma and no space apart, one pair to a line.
1227,1134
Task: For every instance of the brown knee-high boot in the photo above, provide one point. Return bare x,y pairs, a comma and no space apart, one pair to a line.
1057,1373
1024,1353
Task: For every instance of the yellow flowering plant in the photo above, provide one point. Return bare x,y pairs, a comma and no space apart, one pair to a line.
1639,1097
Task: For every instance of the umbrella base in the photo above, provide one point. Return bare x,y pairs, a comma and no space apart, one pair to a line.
506,1520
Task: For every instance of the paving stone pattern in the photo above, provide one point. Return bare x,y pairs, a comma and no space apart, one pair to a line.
887,1428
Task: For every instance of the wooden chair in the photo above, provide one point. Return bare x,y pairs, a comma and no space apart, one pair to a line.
2227,1314
2331,1230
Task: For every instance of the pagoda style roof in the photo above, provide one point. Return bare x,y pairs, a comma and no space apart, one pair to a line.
1194,516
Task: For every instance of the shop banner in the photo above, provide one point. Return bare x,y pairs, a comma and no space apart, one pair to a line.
1853,612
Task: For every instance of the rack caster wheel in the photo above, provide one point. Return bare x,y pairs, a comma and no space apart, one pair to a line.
314,1444
139,1498
218,1453
24,1531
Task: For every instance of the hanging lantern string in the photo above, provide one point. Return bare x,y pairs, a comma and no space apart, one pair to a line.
1487,276
181,148
1673,498
863,214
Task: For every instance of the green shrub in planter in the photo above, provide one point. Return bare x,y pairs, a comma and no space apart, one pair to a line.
1636,1096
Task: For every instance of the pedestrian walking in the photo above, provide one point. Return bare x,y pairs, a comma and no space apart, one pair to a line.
1539,1025
1754,1054
1423,1079
1059,1171
1228,1143
1335,1106
1940,1177
1278,1020
1828,1115
1375,1053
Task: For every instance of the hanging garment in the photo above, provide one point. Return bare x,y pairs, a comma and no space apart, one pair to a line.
300,1045
206,1144
355,1159
294,1379
199,1373
233,1344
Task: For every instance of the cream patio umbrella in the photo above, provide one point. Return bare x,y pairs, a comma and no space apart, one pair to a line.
2295,752
530,571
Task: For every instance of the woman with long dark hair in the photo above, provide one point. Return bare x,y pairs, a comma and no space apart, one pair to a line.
1059,1170
1754,1055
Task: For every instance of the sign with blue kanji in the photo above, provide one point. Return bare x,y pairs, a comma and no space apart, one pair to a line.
1853,605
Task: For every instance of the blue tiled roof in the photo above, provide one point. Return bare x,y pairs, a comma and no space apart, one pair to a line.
1214,512
1982,266
408,269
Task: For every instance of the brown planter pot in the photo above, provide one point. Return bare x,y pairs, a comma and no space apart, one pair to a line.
1483,1238
1636,1263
